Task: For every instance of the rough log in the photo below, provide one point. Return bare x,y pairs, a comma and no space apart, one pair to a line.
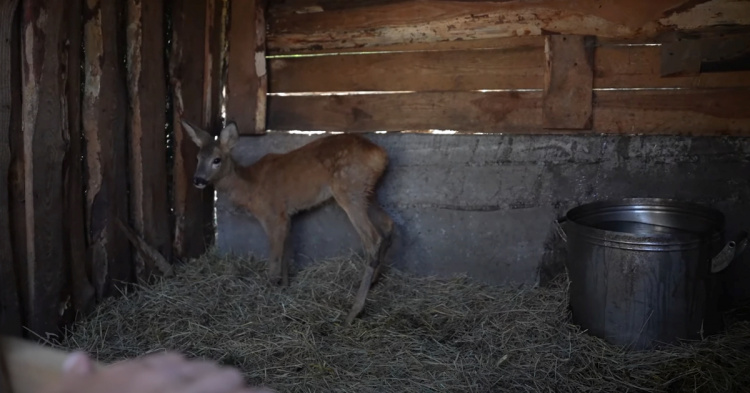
17,175
247,77
506,63
10,311
83,294
44,27
688,112
149,203
193,208
104,121
299,26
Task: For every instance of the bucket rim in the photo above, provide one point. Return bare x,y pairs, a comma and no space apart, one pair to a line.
633,241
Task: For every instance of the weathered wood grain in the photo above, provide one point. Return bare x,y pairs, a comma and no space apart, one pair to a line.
192,208
295,27
471,111
149,205
507,63
44,27
104,127
81,288
519,65
247,77
568,82
215,61
640,67
690,112
17,175
679,112
10,311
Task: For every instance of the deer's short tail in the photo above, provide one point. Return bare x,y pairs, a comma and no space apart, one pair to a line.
377,160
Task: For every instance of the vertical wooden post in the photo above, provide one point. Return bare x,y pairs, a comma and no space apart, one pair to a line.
569,80
44,29
247,81
192,95
147,93
17,176
10,312
104,120
75,211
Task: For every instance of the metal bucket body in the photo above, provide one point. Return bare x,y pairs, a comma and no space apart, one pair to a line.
640,270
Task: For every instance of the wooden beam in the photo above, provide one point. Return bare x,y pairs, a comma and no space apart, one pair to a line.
520,65
247,79
149,205
682,112
17,175
104,126
690,112
295,27
10,316
192,208
640,67
568,82
82,290
468,111
215,62
44,25
715,51
507,63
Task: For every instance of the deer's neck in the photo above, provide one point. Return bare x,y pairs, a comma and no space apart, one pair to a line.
237,179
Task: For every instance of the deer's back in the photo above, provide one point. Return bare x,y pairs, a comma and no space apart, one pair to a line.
303,177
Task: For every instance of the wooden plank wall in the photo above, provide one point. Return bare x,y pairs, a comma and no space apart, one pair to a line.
481,66
10,316
84,128
193,69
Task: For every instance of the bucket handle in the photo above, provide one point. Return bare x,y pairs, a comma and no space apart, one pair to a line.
731,250
557,223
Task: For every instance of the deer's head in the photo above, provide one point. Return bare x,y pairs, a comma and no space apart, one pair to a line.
214,161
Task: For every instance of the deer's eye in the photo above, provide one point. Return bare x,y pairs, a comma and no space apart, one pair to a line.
217,161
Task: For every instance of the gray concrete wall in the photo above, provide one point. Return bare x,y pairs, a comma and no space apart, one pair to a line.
484,204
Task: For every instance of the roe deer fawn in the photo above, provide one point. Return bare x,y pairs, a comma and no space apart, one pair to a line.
344,167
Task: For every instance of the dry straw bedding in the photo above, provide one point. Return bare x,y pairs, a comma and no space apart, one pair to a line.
416,335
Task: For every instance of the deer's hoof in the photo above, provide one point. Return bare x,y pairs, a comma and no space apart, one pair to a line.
275,280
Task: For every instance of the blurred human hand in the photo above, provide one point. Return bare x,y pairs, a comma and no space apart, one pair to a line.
163,373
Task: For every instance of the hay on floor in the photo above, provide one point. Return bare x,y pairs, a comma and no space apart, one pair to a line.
416,335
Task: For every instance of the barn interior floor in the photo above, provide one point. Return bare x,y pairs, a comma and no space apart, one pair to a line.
415,335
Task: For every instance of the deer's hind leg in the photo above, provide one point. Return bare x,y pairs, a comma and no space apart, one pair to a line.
384,223
356,206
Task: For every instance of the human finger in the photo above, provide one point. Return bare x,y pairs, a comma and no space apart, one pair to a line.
78,363
218,380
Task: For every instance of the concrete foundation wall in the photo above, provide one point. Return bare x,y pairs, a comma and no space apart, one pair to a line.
484,204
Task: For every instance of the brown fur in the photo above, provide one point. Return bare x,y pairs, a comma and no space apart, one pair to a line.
345,167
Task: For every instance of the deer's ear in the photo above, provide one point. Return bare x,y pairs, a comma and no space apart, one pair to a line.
229,136
200,137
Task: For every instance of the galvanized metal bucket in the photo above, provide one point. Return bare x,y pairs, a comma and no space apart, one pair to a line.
642,270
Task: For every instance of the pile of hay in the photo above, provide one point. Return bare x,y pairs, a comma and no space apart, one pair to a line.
416,335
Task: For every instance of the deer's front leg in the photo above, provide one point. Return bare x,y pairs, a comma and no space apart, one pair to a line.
277,229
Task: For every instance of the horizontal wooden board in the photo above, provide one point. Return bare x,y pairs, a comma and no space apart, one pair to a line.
513,63
517,67
697,112
640,66
481,112
324,25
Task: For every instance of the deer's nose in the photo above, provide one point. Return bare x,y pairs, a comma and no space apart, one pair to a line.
200,182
